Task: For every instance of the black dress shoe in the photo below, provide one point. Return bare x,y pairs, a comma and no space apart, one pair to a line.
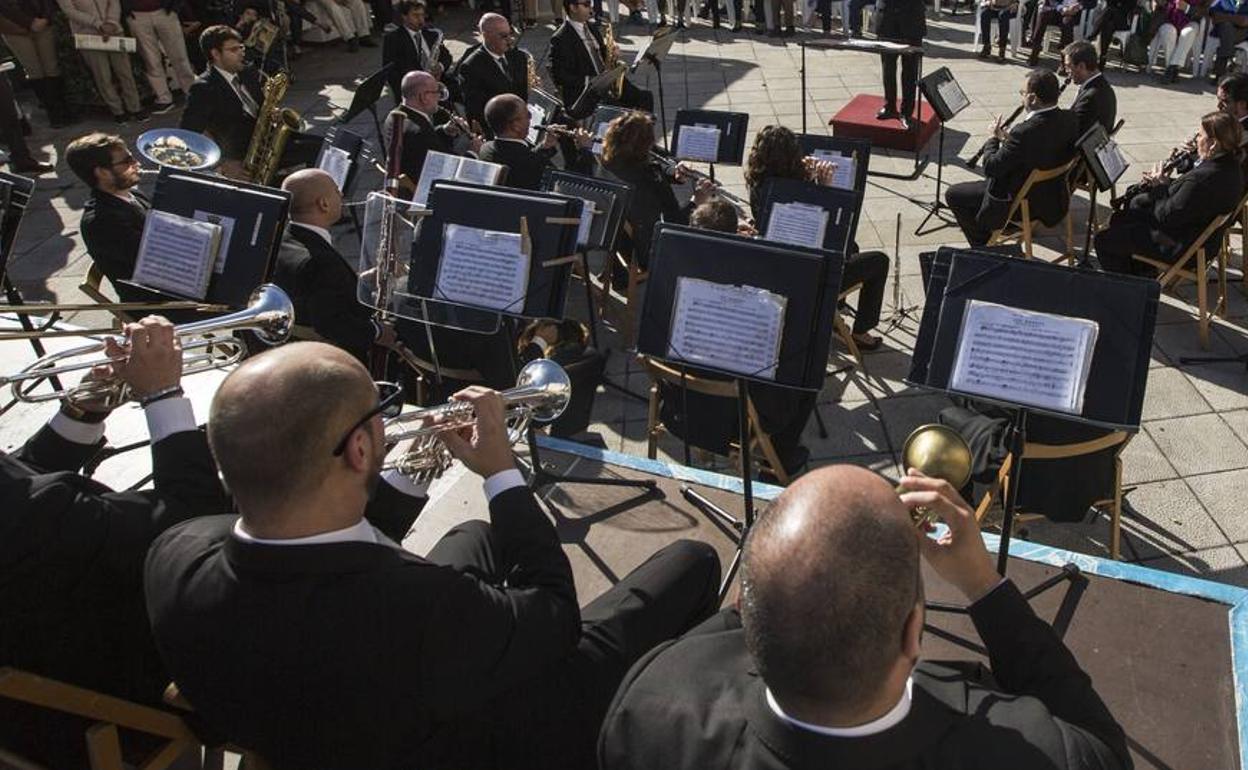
887,113
907,122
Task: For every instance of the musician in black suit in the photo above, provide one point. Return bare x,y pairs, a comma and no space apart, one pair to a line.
114,215
901,21
1165,219
1095,102
318,279
494,67
421,133
412,46
822,666
71,550
577,54
508,118
1044,140
475,657
1233,100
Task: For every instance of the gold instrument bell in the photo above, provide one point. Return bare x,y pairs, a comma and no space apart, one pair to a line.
940,452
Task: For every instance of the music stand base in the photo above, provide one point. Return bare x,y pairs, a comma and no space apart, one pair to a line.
1199,360
540,477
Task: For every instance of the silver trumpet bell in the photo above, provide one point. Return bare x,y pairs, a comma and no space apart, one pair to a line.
541,395
269,314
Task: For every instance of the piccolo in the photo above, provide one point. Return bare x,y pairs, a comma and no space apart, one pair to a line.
557,130
669,167
974,161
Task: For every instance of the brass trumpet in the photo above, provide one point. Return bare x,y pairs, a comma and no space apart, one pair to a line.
541,394
270,315
940,452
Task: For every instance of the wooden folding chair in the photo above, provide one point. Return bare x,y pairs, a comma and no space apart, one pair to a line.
760,442
108,714
1035,451
92,286
842,329
636,277
1019,224
214,757
1172,274
427,373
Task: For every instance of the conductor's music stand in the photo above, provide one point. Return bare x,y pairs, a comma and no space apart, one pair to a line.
707,293
365,100
948,99
1123,308
653,54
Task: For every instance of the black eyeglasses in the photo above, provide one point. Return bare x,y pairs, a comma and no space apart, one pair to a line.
126,161
389,404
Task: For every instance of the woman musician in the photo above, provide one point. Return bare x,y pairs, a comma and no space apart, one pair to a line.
1165,218
626,156
778,154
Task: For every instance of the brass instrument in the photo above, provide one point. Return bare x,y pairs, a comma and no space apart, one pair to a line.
535,80
612,59
940,452
542,392
269,314
264,33
274,125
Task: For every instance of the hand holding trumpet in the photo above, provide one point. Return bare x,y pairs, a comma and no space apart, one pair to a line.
151,359
958,555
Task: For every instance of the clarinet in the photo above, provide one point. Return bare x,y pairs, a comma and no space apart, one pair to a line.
1181,159
974,161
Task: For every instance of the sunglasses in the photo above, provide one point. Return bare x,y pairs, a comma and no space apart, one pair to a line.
389,404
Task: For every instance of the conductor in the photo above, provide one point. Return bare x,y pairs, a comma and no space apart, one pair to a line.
900,21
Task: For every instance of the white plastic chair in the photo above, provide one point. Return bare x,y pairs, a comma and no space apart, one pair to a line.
1016,29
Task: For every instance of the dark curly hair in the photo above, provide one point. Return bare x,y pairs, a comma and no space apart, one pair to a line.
628,140
776,153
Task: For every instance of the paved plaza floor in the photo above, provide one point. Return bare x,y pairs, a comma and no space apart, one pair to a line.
1184,470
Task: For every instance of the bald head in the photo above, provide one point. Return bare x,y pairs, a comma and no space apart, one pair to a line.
420,91
830,575
314,197
502,112
275,421
495,33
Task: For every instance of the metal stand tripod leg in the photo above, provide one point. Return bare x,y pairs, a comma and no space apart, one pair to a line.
540,477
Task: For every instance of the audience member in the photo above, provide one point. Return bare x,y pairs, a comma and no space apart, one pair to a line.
158,31
30,36
103,18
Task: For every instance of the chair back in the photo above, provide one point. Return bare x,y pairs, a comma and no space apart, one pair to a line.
1038,177
92,286
707,386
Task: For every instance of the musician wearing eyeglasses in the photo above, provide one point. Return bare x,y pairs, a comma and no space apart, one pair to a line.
114,215
1165,218
71,549
426,126
493,67
360,654
1096,102
822,666
578,54
508,118
225,99
412,46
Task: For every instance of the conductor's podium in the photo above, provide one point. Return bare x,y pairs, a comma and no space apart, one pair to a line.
857,120
1166,652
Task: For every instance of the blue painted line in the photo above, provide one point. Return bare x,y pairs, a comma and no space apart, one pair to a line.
1234,597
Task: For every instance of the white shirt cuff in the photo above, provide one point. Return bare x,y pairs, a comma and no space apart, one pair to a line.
501,482
169,416
404,483
78,432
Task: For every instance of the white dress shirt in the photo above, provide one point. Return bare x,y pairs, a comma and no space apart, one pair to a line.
891,719
164,418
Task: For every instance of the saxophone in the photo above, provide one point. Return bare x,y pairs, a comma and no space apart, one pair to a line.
535,80
612,59
274,125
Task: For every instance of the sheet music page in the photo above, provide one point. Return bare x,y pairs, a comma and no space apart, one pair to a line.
846,171
801,224
478,171
537,117
698,142
438,165
482,268
587,222
1111,160
336,162
600,131
1024,357
952,95
227,230
734,328
176,254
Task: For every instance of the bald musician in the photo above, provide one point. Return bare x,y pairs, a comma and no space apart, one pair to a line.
509,121
822,667
320,282
424,127
359,654
493,67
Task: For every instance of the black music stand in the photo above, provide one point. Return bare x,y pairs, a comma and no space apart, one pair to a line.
1123,307
1102,157
365,100
841,205
732,127
355,147
808,280
595,91
858,149
603,115
947,99
653,54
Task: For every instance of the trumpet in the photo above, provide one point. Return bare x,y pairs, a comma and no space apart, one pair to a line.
541,394
269,314
938,451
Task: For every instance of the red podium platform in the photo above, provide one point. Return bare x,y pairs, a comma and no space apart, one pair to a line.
857,121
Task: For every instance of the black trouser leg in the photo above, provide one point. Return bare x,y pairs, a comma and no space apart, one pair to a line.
985,27
964,199
909,82
871,269
1128,233
889,63
11,124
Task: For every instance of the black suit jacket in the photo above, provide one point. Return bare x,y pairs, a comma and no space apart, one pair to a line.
214,108
481,79
525,163
653,199
399,50
699,702
1095,103
1043,141
358,654
570,63
323,288
419,137
71,561
1181,210
902,19
112,230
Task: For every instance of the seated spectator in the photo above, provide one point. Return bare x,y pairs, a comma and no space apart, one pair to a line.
1230,27
821,667
28,32
1065,14
103,18
351,19
1174,27
1002,12
21,161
